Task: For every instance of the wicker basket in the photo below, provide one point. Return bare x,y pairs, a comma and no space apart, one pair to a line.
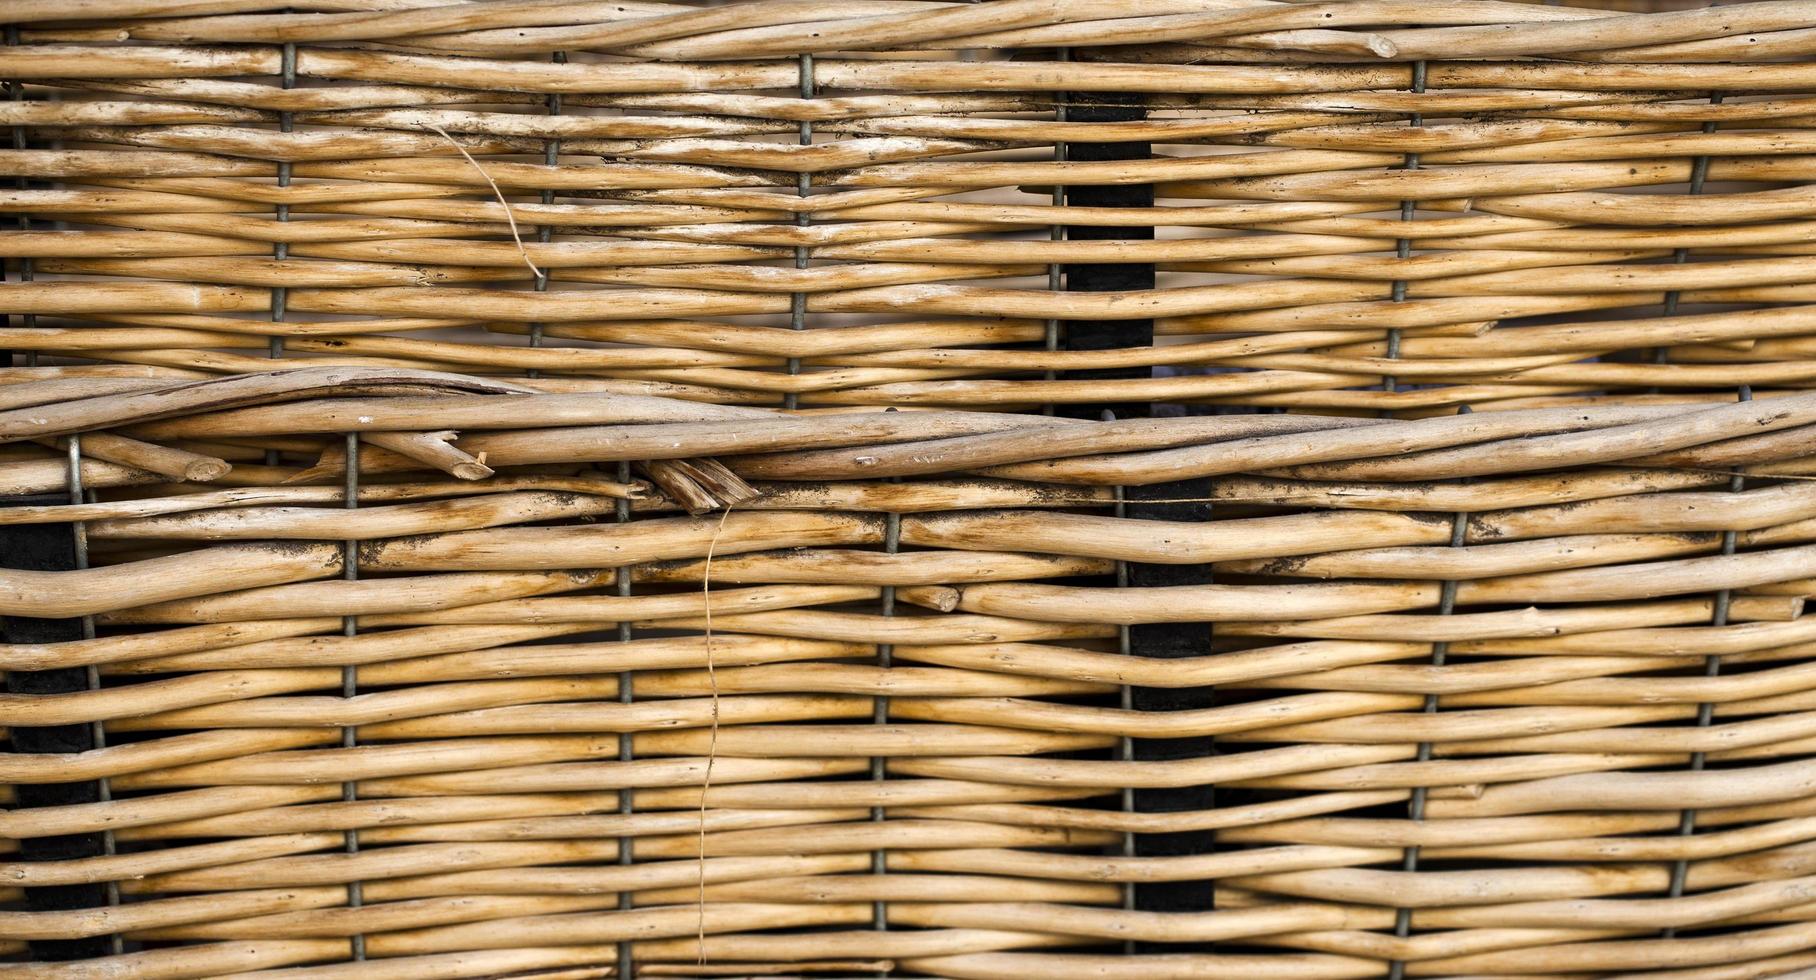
453,528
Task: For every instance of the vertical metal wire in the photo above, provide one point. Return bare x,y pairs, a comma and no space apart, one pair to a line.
16,92
551,152
1057,231
797,301
879,765
1408,211
1125,746
1447,595
280,250
621,514
1699,175
350,676
1447,601
92,678
1705,712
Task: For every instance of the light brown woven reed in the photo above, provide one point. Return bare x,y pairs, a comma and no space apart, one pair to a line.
502,742
500,563
248,180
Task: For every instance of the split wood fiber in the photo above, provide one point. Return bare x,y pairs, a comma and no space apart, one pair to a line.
1177,488
507,779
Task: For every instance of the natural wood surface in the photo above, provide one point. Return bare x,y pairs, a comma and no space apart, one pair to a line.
525,787
576,490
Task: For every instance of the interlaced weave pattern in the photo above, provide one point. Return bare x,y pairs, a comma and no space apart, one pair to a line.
399,387
684,178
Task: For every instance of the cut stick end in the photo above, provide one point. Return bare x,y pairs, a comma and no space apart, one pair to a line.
1765,608
206,470
940,598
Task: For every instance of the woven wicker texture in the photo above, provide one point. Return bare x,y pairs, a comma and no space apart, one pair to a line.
897,179
1477,710
452,528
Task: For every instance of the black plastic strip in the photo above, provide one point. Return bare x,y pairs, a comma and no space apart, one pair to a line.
48,548
1101,277
1180,501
